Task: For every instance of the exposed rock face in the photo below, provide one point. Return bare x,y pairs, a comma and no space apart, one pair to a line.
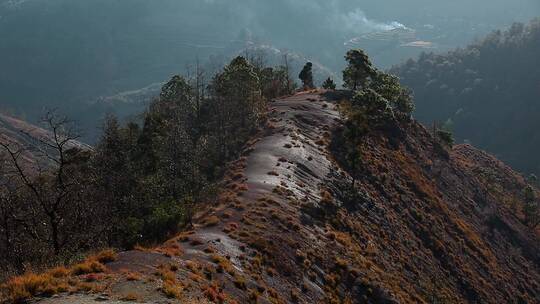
427,225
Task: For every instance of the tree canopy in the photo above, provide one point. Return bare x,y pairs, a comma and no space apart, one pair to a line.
487,91
306,75
358,71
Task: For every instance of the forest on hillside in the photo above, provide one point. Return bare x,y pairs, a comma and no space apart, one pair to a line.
141,181
488,93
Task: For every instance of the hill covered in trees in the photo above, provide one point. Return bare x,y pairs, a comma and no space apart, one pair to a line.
139,184
315,197
488,93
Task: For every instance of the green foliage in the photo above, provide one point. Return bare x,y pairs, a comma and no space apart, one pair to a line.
373,106
306,75
446,137
488,89
151,175
141,181
166,216
358,71
379,103
276,82
329,84
399,97
531,207
178,91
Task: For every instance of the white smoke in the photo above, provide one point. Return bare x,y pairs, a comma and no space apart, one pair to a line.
356,21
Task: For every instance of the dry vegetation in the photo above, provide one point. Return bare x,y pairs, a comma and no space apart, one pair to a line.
81,276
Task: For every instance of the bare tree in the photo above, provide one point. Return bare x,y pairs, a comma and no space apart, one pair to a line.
54,192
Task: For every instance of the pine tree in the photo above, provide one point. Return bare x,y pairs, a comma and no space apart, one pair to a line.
306,75
329,84
358,71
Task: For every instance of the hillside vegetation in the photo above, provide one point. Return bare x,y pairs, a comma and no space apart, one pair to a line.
487,93
139,185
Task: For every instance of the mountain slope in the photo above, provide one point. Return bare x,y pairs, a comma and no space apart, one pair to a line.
426,225
487,93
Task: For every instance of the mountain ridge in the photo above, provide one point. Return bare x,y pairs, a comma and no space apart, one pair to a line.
423,226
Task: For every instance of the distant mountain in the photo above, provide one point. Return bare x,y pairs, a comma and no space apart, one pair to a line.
63,53
488,93
21,134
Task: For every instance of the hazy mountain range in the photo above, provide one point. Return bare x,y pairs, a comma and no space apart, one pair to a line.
60,53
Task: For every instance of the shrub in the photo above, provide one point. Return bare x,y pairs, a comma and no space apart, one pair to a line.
306,75
106,256
164,217
329,84
171,290
59,272
19,289
446,137
239,282
87,267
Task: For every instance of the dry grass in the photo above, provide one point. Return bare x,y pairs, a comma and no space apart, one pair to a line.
133,276
59,272
196,242
320,142
172,290
105,256
166,274
239,282
326,198
141,248
170,249
211,221
130,297
89,287
214,294
223,264
87,267
19,289
238,176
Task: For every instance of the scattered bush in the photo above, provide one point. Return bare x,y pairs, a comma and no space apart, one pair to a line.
329,84
106,256
87,267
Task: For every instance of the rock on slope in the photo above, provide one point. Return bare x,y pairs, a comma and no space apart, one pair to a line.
428,225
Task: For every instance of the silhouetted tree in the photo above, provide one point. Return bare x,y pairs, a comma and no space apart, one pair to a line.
50,196
306,75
